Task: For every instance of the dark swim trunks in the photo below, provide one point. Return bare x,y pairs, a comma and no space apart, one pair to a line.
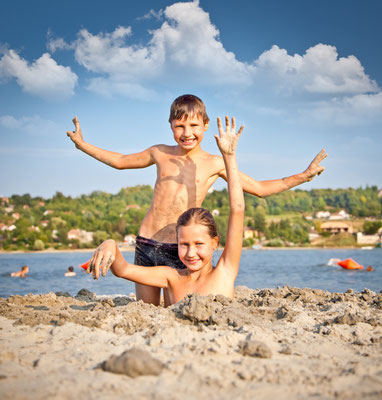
149,253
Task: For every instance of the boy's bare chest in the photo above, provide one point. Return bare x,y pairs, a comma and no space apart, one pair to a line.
186,171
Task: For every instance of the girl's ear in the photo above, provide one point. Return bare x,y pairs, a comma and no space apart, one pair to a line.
215,242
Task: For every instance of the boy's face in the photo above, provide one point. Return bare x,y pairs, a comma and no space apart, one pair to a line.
188,132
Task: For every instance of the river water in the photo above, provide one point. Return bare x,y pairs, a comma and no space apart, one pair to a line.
258,269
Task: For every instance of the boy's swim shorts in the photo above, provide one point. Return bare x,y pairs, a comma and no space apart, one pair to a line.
149,253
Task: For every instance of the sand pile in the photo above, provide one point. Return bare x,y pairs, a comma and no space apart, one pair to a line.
286,342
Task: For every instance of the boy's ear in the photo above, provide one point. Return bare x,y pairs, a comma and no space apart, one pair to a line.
206,125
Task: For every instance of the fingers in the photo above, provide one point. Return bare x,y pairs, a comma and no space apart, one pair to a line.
220,126
240,131
227,123
106,264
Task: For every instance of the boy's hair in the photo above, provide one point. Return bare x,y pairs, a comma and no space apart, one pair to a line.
200,216
24,268
186,105
70,269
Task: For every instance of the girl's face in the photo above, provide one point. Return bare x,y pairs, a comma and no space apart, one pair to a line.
195,246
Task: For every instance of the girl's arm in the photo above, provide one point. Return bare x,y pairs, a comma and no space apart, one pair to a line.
107,255
111,158
227,142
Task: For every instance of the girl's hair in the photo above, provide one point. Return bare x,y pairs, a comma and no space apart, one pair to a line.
200,216
186,105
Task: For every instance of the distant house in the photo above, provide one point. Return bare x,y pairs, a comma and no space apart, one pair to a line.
215,213
129,240
339,216
34,228
47,212
130,206
250,233
9,209
368,239
4,200
44,223
335,227
313,234
4,227
380,193
26,207
16,215
81,235
322,214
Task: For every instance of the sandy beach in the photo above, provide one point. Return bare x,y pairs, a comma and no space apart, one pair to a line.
286,342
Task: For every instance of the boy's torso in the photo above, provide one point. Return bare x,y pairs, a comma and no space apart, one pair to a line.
182,182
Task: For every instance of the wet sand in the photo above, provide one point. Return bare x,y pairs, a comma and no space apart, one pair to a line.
287,343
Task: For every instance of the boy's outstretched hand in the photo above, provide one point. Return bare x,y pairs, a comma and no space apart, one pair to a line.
76,135
314,167
103,258
227,140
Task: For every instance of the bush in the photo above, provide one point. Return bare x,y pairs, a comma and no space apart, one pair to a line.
38,245
275,243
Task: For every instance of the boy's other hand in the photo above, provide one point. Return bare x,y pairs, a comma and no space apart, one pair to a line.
76,135
227,139
314,167
105,256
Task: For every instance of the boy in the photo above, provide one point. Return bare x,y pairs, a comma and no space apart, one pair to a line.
185,172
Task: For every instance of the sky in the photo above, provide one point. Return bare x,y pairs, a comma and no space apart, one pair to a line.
301,75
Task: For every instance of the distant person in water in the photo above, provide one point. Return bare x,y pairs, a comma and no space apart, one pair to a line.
70,272
22,273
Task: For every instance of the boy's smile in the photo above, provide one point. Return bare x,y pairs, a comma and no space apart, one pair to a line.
189,132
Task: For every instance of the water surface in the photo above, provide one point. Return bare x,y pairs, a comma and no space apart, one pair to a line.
258,269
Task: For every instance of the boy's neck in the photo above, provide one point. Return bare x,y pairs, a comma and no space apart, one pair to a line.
182,152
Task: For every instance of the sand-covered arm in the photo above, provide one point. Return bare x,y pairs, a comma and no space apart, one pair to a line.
227,142
111,158
268,187
107,256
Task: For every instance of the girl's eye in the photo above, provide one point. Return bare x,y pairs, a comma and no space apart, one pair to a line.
199,244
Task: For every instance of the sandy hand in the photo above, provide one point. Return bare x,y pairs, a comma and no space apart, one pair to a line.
227,139
76,135
103,258
314,167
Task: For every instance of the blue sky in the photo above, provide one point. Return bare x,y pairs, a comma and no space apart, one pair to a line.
301,75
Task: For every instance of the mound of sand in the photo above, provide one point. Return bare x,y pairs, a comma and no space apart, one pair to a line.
285,342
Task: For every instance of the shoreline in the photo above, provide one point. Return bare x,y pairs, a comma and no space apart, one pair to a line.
132,249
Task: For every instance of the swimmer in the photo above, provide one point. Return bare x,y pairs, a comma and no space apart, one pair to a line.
22,273
70,272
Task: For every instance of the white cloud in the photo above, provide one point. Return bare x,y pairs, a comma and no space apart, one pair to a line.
34,125
44,77
318,71
152,14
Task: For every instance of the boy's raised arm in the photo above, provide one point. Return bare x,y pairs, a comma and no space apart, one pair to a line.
227,142
266,188
113,159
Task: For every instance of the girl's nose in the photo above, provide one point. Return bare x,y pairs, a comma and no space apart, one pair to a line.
191,251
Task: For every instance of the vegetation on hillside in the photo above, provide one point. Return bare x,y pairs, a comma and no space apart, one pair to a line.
37,223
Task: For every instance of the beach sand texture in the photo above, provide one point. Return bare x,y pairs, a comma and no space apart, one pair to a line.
284,343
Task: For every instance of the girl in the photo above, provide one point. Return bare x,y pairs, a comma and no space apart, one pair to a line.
197,239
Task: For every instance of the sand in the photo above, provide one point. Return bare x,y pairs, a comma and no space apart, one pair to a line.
284,343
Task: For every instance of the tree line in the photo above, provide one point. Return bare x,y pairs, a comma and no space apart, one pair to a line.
40,223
